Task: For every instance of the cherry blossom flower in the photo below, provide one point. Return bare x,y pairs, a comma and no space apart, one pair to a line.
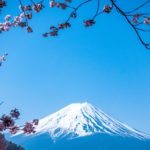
38,7
29,29
107,9
45,34
22,15
29,16
62,5
136,18
89,23
7,121
52,3
74,15
54,33
147,21
25,8
64,25
22,24
17,19
29,128
6,28
35,121
14,129
15,113
7,17
2,3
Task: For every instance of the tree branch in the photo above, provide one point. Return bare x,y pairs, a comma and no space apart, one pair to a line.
147,45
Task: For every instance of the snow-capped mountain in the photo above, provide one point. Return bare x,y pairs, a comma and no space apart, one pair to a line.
81,126
83,119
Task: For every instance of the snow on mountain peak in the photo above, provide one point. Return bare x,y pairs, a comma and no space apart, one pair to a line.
83,119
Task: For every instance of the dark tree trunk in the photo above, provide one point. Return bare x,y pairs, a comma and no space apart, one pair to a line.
6,145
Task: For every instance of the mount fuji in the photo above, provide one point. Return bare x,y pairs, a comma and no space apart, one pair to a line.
83,126
83,119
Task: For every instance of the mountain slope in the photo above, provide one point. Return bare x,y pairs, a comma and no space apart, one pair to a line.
83,119
93,142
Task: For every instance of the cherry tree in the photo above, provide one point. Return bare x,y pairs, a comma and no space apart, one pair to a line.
137,18
8,123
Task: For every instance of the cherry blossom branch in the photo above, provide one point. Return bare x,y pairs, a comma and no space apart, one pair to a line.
97,10
144,30
66,24
147,45
75,10
137,21
20,1
7,122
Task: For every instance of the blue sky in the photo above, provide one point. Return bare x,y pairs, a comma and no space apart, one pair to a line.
104,65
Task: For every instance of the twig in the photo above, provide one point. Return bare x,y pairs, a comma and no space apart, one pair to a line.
23,12
148,1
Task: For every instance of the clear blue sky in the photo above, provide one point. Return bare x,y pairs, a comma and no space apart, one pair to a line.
104,65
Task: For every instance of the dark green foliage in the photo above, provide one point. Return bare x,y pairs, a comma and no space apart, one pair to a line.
12,146
6,145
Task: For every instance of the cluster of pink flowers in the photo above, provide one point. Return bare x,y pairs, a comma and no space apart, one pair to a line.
28,10
29,29
7,122
29,127
2,3
62,5
35,7
138,17
5,25
64,25
147,21
13,22
107,9
89,23
25,8
54,30
73,14
20,20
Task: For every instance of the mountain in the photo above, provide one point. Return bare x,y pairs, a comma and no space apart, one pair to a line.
83,119
83,126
